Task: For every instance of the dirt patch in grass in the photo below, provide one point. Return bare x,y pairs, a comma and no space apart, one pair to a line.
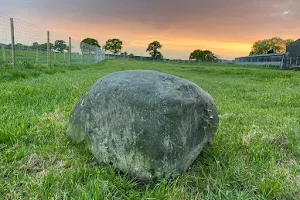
56,116
251,135
292,177
280,141
39,165
34,164
226,116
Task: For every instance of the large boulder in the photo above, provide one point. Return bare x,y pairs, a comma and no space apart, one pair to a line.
147,124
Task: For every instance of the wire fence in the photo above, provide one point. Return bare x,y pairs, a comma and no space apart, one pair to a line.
280,60
292,62
162,60
24,45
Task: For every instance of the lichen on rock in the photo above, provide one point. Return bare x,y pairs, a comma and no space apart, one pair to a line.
147,124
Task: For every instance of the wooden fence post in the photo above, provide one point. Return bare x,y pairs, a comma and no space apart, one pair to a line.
70,51
48,50
13,51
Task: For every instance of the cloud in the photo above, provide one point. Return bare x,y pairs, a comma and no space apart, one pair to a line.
285,12
215,19
174,22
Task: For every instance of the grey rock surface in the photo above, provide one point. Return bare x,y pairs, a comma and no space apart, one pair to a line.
146,123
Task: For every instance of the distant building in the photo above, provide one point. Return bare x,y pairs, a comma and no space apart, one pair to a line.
294,49
275,59
287,60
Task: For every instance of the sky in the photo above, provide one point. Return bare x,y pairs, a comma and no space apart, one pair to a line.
226,27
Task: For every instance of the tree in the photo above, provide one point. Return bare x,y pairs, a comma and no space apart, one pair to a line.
205,55
91,41
131,55
35,45
275,44
159,56
19,46
8,46
88,45
43,47
153,49
218,58
60,45
113,45
289,41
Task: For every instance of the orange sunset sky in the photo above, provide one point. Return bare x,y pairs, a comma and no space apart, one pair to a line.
226,27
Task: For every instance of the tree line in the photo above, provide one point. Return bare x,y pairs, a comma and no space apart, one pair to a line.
266,46
88,45
272,45
59,45
116,45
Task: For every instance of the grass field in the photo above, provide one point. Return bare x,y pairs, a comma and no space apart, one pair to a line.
30,59
255,154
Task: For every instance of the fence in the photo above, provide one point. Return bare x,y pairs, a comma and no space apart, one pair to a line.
163,60
281,60
264,59
291,62
23,45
